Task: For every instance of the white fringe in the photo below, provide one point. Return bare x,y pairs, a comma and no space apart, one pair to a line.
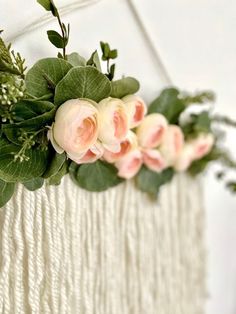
66,250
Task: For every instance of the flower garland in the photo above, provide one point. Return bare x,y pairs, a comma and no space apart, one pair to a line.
66,116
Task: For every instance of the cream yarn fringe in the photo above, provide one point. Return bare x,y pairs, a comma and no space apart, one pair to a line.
66,250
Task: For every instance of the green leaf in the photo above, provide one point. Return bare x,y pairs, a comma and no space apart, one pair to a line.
169,104
76,60
150,182
200,123
6,192
28,109
43,77
49,6
55,165
105,50
56,178
98,176
56,39
113,54
34,184
124,86
46,4
95,61
12,170
32,116
83,82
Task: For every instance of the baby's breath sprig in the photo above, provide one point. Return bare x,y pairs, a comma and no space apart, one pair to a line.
29,140
12,88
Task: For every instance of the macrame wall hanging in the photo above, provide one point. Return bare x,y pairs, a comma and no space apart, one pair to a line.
67,250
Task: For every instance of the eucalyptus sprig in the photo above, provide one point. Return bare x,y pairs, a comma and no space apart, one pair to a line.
58,40
107,55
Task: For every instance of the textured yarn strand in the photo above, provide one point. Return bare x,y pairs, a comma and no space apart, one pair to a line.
64,250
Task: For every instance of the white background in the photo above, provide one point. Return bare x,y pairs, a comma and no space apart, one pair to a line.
197,43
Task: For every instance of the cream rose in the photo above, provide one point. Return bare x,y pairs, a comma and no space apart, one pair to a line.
153,159
75,129
172,144
151,131
126,146
185,158
114,123
135,108
130,164
202,145
93,154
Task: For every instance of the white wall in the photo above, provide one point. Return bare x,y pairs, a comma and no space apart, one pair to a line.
196,40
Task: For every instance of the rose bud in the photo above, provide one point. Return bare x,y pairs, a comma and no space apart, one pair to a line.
75,129
153,159
129,165
136,110
202,145
172,144
114,123
127,145
152,130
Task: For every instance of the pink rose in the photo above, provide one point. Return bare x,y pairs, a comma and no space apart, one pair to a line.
135,108
127,145
114,123
130,164
184,159
153,159
172,144
202,145
75,129
151,131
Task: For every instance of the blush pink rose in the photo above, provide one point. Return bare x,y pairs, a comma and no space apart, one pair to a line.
114,123
136,110
75,129
127,145
151,131
130,164
172,144
153,159
202,145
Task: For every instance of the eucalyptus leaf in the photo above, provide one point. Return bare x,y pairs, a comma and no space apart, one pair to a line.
12,170
76,60
43,77
169,104
199,123
82,82
97,176
150,181
49,6
32,116
124,86
56,39
56,178
6,192
46,4
28,109
34,184
95,61
55,165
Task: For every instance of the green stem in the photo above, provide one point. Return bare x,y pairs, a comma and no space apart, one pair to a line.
63,35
